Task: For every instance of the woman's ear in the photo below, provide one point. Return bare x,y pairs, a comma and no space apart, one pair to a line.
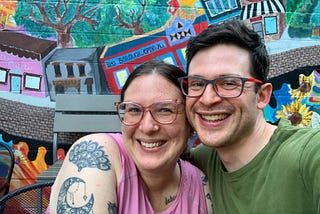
264,95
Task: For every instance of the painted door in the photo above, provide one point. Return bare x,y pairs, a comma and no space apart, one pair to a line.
15,81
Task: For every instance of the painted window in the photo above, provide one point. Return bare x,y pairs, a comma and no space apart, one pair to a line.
32,81
270,24
219,7
121,76
257,27
57,70
81,68
3,75
69,69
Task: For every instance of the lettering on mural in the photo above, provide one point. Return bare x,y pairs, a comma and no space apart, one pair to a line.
149,49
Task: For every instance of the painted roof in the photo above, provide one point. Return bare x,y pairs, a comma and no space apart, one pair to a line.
260,8
25,46
75,54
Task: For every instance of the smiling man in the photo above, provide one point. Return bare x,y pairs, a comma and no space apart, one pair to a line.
252,166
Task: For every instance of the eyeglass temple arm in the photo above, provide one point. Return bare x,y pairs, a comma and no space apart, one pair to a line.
250,79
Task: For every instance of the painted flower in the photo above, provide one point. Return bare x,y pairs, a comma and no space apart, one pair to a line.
304,88
296,112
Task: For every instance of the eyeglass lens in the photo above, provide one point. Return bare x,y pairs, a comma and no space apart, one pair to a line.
131,113
227,87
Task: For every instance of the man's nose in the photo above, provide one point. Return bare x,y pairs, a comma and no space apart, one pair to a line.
210,95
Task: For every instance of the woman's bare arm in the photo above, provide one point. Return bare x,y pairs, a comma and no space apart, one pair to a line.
207,193
87,180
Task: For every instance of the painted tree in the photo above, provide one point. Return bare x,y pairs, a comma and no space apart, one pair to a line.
90,23
56,16
134,14
134,22
299,17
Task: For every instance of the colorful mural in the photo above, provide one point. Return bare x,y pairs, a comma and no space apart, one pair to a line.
90,47
296,96
31,158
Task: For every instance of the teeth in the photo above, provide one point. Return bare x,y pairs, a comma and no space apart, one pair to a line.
150,145
214,117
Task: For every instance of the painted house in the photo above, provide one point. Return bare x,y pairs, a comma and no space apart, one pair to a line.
266,17
21,63
74,70
169,45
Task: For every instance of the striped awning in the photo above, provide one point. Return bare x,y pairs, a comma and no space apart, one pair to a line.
263,7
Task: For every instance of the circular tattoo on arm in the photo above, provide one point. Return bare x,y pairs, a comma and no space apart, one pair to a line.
89,154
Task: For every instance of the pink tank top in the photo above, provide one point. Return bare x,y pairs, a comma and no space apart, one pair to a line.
132,198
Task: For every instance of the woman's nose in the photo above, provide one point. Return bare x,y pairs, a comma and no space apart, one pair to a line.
147,122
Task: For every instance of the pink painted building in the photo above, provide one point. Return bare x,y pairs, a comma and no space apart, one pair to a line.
22,60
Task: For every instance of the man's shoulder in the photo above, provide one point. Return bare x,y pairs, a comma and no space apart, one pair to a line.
286,126
286,132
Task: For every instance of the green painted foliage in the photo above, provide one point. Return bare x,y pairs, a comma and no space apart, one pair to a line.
99,27
42,31
298,14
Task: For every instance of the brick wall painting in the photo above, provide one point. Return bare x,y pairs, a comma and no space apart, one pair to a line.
90,47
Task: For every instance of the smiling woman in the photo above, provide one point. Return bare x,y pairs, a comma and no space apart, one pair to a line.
139,171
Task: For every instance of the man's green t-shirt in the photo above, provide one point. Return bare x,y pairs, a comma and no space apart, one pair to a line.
284,178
